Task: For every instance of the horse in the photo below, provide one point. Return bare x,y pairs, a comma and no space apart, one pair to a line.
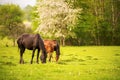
31,42
51,46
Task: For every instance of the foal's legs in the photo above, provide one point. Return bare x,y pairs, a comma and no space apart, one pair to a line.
21,55
50,56
32,55
38,55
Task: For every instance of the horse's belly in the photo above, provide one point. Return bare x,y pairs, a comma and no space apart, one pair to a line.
30,48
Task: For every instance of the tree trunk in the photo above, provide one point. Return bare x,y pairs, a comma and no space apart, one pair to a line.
62,41
96,22
113,22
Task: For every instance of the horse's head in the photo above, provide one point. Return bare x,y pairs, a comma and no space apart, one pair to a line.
57,48
43,57
57,57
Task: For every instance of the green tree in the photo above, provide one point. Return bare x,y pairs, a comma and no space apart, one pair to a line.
28,12
11,21
99,22
35,18
57,19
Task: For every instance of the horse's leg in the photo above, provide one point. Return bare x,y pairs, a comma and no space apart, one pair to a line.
38,56
50,56
21,55
32,56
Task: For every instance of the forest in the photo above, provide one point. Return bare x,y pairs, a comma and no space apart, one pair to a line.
71,22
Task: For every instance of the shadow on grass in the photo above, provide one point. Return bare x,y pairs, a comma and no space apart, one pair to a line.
62,63
65,62
117,54
4,56
81,60
89,57
73,59
7,63
95,58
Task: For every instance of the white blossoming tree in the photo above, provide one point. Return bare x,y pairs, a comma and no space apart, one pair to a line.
56,19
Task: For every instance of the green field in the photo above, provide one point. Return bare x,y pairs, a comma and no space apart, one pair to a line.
76,63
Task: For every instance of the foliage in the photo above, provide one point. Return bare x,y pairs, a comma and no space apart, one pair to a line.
5,42
28,13
73,22
35,18
11,21
99,22
11,13
96,24
85,63
56,18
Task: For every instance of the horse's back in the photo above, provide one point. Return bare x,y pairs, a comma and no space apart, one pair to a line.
29,40
50,45
50,42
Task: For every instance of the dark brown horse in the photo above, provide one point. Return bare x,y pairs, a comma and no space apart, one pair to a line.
51,46
32,42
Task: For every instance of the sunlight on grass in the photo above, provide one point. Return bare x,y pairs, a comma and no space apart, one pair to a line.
85,63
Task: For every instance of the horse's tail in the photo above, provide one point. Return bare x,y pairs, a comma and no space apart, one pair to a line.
19,42
57,51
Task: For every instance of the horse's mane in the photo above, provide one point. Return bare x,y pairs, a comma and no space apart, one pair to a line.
41,43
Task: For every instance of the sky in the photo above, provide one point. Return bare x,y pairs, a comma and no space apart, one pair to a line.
21,3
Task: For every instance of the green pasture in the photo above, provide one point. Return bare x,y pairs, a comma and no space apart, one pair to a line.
76,63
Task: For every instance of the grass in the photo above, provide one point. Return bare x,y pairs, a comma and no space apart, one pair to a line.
76,63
